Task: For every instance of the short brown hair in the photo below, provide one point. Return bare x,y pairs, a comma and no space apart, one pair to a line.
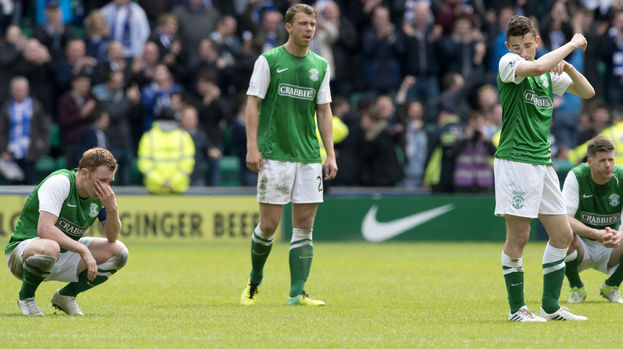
167,18
519,26
96,157
599,144
306,9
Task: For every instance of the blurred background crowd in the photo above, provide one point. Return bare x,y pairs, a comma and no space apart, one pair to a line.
413,84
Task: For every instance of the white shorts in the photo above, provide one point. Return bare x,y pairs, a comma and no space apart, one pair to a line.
64,270
526,190
596,256
280,182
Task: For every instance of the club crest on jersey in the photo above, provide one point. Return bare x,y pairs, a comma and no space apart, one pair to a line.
614,199
544,81
314,74
93,211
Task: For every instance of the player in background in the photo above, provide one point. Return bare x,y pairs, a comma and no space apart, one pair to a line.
592,193
526,185
48,243
289,83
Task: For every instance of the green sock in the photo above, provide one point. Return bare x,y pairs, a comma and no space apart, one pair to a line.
513,277
34,270
514,287
260,249
83,284
300,264
616,277
571,271
553,276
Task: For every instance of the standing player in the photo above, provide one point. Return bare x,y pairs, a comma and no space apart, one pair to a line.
526,185
47,242
289,83
592,193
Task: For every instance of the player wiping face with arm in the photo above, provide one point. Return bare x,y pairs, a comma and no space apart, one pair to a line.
525,46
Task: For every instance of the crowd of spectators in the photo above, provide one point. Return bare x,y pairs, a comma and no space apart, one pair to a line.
413,80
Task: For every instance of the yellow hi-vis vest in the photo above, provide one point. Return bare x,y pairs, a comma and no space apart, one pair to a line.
166,157
340,131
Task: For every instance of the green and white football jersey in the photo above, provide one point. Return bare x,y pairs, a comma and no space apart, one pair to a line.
527,107
597,206
75,217
290,88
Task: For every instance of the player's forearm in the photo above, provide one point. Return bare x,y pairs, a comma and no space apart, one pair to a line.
582,229
581,87
252,121
325,126
112,226
64,241
548,61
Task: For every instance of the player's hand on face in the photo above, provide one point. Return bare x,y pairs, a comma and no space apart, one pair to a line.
254,160
90,262
579,41
105,195
330,168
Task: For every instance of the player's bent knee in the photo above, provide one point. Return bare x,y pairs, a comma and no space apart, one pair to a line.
39,264
120,259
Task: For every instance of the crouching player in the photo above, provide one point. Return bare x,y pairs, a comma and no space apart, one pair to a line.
48,243
592,193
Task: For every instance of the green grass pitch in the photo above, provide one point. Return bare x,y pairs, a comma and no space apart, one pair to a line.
429,295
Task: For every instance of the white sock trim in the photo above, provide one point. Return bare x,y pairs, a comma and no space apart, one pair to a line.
301,234
258,233
553,254
302,237
572,256
513,265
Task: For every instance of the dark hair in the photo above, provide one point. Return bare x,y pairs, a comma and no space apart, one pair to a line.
599,144
96,114
306,9
96,157
207,75
519,26
82,74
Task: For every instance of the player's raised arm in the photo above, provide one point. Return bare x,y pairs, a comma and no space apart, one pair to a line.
111,223
579,84
545,63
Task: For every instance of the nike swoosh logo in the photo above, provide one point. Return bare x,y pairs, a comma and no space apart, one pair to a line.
587,196
513,285
375,231
305,257
282,70
70,205
257,253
